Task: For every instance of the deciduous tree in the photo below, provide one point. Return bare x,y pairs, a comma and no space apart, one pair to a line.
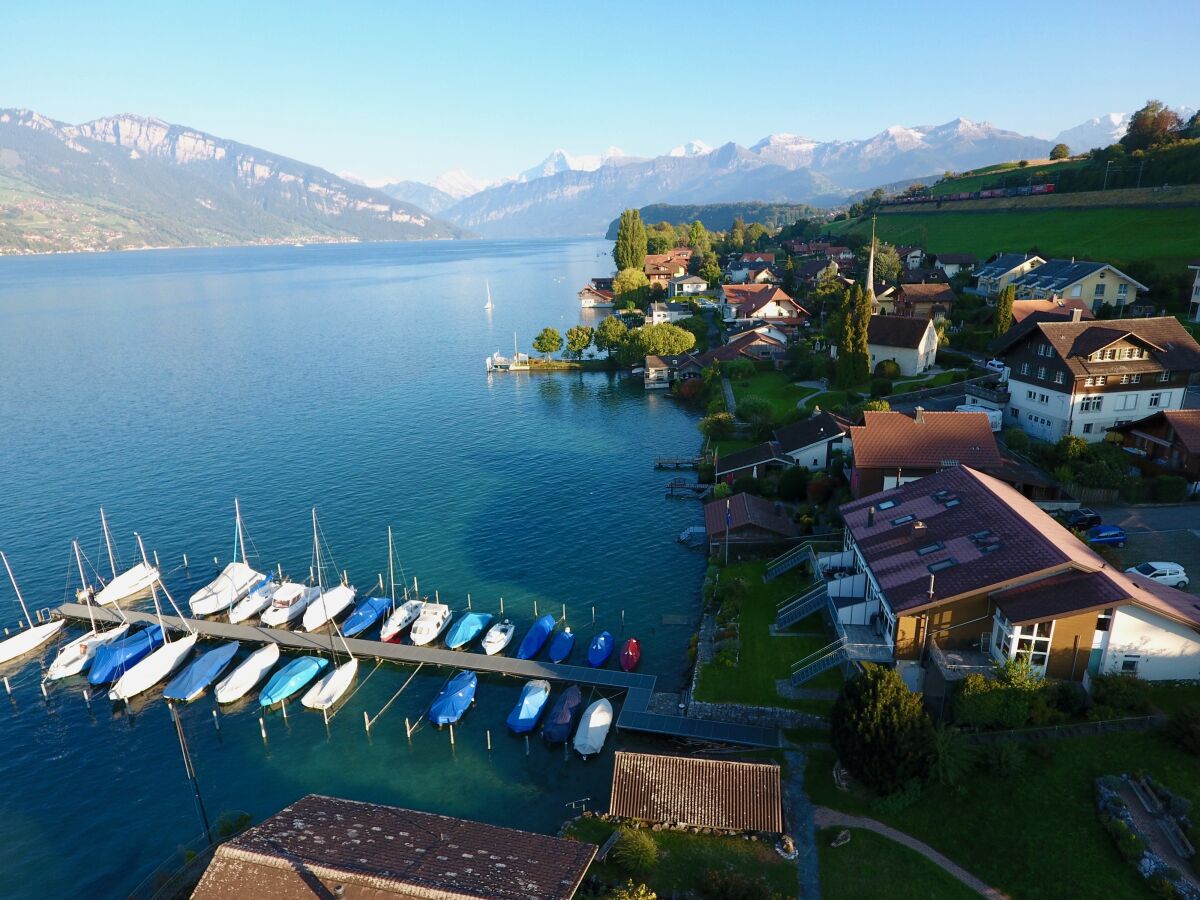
1060,151
887,263
630,250
631,285
609,334
548,341
663,339
579,338
698,238
1153,124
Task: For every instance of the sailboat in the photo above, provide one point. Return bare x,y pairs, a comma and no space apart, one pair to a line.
488,306
250,672
191,682
328,604
129,583
75,656
114,658
234,582
163,661
290,679
330,688
255,602
455,697
33,636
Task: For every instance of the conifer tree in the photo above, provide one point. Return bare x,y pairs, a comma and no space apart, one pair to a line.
1004,309
863,301
630,249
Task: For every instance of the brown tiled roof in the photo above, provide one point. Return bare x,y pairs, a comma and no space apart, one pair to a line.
819,427
767,451
1052,310
758,257
656,259
1070,592
894,439
929,293
1186,423
1073,341
897,331
738,347
705,793
372,851
746,509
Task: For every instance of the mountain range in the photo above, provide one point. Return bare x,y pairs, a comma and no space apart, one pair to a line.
128,181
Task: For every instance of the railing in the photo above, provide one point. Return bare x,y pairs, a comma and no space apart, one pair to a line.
801,606
806,551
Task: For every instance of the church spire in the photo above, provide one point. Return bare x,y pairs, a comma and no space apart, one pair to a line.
871,263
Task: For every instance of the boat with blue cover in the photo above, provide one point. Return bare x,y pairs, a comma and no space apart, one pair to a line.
524,717
291,678
563,716
365,615
535,638
600,649
191,682
560,647
467,629
455,697
112,660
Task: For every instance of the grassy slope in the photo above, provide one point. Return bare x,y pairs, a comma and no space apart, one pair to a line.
874,866
1004,174
774,387
1034,834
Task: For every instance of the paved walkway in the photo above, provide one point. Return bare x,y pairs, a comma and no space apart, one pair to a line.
831,818
730,400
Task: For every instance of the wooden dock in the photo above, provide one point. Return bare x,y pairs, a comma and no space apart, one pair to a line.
677,462
634,715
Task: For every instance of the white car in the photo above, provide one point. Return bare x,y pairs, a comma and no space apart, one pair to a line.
994,365
1168,573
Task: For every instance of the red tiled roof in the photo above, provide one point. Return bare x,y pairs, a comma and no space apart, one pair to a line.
740,346
1172,347
929,293
1070,592
894,439
1060,309
1185,422
705,793
758,257
747,510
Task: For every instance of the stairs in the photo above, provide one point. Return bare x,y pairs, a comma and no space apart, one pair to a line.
801,606
788,561
840,651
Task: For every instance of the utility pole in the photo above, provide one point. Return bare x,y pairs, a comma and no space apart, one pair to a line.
728,519
191,773
1107,166
1141,168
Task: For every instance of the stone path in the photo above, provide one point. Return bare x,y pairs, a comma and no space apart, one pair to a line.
830,818
799,817
730,400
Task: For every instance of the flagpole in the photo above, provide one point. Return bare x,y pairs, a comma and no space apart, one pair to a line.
728,518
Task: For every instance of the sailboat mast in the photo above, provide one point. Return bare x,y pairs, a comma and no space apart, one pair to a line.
83,581
241,536
13,579
317,551
391,568
108,542
153,591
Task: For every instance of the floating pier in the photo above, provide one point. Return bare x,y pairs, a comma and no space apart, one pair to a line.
634,715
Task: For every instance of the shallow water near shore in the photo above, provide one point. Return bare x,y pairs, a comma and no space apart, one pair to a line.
161,384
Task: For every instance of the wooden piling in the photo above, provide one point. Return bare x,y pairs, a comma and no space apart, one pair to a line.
262,726
283,706
468,601
366,722
185,562
217,721
44,694
501,606
489,740
535,609
7,686
407,729
564,606
451,735
526,745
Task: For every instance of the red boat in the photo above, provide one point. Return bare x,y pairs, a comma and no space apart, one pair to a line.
631,655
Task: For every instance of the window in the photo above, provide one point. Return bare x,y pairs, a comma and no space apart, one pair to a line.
1129,664
1025,368
1087,429
1058,377
1155,399
941,565
1041,372
1030,642
1031,395
1100,290
1127,401
1101,380
1124,379
1077,291
1016,413
1104,620
886,504
1122,290
1165,375
902,520
1043,398
1091,404
930,548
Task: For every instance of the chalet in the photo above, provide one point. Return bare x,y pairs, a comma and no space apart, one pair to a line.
1167,441
892,448
659,312
1194,302
953,263
923,275
660,269
1082,378
328,847
761,301
958,571
925,301
841,254
910,257
739,329
758,259
686,286
762,275
592,297
1093,282
1053,310
683,254
753,461
1000,271
664,371
804,248
746,519
754,268
811,442
911,343
810,272
753,344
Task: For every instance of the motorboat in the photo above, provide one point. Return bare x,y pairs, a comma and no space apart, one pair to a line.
248,674
466,629
535,637
75,656
288,603
331,603
365,615
524,716
291,678
600,649
455,697
434,619
326,692
403,616
112,659
563,716
498,637
255,602
593,728
207,668
631,655
561,645
235,581
153,669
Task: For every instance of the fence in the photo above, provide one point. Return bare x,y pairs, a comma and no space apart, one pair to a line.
1093,494
1071,729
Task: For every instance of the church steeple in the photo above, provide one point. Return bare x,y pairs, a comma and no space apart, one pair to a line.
871,263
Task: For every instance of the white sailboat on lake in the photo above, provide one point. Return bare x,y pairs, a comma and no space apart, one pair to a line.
246,676
31,637
235,581
406,613
328,604
74,656
129,583
330,688
488,306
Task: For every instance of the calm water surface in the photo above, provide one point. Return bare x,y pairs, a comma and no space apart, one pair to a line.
162,384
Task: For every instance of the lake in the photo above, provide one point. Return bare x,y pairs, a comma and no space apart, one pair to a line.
351,378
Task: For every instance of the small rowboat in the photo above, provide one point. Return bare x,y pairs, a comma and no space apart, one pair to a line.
631,655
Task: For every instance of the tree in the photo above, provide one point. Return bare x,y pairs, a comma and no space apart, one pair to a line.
1060,151
632,891
631,286
887,263
756,234
663,339
660,238
717,427
757,412
736,240
579,338
698,239
1004,310
854,355
789,276
609,334
630,250
876,405
881,731
709,268
548,341
1153,124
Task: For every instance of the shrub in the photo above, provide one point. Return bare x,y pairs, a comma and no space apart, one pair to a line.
952,758
689,388
819,489
631,891
1122,693
1005,758
635,851
738,368
1017,440
984,703
717,427
1129,845
1184,729
721,490
1071,447
881,731
900,800
1162,886
878,405
747,484
706,473
881,387
732,592
888,368
1169,489
792,483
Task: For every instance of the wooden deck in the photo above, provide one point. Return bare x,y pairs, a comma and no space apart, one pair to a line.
638,688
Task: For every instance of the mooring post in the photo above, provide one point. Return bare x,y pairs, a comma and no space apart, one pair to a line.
468,601
283,706
217,721
366,722
407,729
185,563
325,715
501,606
535,609
216,564
622,620
566,752
526,745
87,698
279,570
44,694
489,740
564,613
157,564
593,616
262,726
7,687
451,735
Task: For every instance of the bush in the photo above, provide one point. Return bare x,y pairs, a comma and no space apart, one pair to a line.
881,731
888,368
738,368
792,483
1121,693
1184,729
1129,845
1005,758
878,405
689,388
732,592
631,891
747,484
1017,440
881,387
948,359
952,759
722,490
1169,489
900,800
717,427
819,489
706,473
635,851
984,703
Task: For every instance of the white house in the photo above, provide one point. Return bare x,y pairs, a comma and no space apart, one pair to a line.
911,342
686,286
1155,640
953,263
996,274
660,312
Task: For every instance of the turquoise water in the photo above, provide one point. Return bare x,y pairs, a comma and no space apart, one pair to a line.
161,384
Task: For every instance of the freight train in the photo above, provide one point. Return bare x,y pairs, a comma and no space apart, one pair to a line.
988,194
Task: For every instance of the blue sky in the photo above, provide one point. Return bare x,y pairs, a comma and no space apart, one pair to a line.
407,91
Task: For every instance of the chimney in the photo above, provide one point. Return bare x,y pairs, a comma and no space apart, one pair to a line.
919,415
1076,314
931,587
919,530
870,516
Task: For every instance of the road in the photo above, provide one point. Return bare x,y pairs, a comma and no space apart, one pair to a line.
1161,534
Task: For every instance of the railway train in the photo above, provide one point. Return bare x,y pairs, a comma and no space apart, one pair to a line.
988,194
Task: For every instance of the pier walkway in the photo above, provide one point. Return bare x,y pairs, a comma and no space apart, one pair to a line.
634,715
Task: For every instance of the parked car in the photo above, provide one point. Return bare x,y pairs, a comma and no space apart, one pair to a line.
1106,534
1169,573
994,365
1082,519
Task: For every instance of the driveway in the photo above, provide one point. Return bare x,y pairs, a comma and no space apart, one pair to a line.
1166,533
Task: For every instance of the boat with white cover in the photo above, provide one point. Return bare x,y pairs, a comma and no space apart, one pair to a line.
31,637
328,605
406,613
75,656
253,669
255,602
593,728
129,583
434,619
288,603
235,581
329,689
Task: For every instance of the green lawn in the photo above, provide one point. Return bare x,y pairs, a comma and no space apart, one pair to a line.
1005,175
1033,834
874,866
941,379
774,387
732,445
1171,698
765,658
827,400
685,859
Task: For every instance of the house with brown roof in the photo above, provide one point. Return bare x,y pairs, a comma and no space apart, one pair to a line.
1167,441
1083,378
1053,310
660,268
764,302
1194,300
724,794
811,441
745,519
329,847
957,571
911,343
754,462
592,297
755,344
910,257
664,371
934,300
841,254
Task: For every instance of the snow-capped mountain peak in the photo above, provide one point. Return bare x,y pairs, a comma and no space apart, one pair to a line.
562,161
458,183
695,147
